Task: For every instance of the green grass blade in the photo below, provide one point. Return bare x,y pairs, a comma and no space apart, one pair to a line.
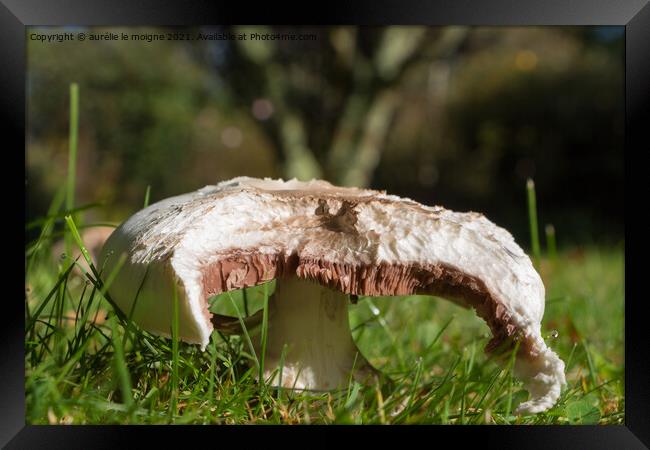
438,335
511,374
174,332
265,331
376,312
60,215
244,295
72,154
146,195
213,369
72,144
245,330
129,318
57,201
532,221
122,370
103,287
77,237
590,364
49,296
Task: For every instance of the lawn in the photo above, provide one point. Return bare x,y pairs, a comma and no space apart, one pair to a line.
85,364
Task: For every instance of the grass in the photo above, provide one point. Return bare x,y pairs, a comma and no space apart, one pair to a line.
81,366
85,363
532,221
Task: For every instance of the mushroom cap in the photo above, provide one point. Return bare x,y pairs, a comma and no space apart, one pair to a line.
247,231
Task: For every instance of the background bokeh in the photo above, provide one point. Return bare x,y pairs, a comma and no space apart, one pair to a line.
454,116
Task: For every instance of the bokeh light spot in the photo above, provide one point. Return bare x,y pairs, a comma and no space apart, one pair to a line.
526,60
262,108
231,137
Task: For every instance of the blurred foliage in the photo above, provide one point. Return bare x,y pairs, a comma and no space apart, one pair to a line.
453,116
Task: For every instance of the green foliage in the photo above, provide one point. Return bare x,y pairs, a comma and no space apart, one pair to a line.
150,115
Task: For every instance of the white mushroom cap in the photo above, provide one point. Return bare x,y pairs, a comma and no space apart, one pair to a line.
247,231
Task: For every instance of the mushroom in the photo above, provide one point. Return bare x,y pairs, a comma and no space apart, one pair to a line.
325,245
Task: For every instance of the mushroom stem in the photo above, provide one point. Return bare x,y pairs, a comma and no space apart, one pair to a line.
320,353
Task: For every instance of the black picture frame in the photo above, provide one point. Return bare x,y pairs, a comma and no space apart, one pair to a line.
15,15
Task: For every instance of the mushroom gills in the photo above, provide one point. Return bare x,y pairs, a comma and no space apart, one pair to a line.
309,345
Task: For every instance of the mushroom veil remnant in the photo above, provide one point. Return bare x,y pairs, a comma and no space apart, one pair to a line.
324,243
